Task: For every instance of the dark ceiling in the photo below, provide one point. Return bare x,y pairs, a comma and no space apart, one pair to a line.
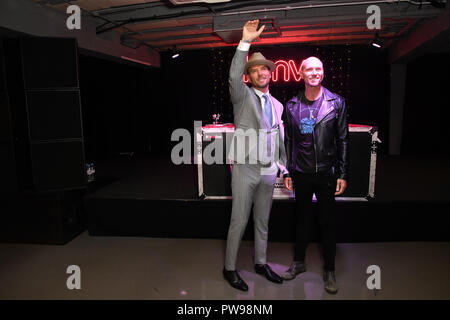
163,25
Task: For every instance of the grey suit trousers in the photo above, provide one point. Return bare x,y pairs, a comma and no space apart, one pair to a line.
249,188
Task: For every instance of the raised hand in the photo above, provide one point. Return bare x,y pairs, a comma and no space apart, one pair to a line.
250,32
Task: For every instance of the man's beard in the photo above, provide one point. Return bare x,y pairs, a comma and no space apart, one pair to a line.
256,85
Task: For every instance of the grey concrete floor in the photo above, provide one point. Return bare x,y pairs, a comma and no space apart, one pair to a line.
190,269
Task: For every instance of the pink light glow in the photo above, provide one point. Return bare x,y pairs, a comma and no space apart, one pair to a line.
288,69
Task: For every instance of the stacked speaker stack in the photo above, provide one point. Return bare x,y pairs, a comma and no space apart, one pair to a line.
41,140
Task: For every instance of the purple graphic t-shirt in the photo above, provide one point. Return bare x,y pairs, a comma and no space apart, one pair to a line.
306,158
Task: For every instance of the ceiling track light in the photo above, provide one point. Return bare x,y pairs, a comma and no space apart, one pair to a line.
174,53
377,42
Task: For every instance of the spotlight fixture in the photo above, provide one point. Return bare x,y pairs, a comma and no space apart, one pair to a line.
377,42
174,53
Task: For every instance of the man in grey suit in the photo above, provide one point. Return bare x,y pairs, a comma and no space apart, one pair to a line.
257,116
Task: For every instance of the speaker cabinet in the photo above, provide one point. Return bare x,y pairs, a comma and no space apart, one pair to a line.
56,165
47,218
54,115
214,179
45,108
360,163
8,176
5,119
49,63
217,177
9,182
41,141
2,69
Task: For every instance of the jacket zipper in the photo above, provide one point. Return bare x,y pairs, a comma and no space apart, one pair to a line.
315,151
331,109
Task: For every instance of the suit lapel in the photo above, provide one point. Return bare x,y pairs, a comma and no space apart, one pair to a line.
257,105
275,108
259,112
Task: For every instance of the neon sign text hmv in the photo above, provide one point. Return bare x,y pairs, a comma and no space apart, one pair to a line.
284,71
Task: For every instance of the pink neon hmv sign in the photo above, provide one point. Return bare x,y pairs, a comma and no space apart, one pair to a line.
284,71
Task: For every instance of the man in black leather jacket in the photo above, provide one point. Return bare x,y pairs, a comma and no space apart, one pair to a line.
316,138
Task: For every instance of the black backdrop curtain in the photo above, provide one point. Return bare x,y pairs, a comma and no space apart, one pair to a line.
127,108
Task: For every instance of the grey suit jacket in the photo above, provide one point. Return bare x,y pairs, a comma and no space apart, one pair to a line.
249,118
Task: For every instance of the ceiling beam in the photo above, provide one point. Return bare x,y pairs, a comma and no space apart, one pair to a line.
430,36
288,11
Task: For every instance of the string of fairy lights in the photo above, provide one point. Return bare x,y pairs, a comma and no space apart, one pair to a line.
221,61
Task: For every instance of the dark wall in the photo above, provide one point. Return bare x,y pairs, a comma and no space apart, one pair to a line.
128,108
425,121
120,106
188,84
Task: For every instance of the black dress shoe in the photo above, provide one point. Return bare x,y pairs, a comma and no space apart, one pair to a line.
235,280
270,275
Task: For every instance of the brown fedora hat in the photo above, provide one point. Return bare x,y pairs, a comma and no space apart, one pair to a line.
258,59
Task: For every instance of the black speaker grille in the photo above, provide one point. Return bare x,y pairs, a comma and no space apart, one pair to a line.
54,115
2,68
58,165
49,63
8,181
5,119
359,171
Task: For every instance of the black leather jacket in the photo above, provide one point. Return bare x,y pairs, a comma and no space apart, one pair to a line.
330,134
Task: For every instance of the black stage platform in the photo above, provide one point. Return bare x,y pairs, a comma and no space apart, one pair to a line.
149,196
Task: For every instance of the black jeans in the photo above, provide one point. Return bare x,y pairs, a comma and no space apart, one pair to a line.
324,186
